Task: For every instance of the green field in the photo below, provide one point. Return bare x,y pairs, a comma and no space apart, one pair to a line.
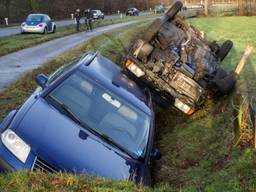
199,153
241,30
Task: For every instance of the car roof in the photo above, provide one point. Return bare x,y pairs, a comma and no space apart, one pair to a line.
40,14
108,74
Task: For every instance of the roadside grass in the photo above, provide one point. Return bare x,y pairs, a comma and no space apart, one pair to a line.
23,181
199,152
17,42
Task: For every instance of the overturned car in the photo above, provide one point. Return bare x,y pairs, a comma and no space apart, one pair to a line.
177,64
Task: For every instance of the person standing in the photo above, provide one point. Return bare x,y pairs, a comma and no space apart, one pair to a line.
77,18
88,19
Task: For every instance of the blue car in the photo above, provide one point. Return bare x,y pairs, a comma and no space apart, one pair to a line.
38,23
85,118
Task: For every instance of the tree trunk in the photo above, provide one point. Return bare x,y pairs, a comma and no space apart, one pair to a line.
206,7
7,6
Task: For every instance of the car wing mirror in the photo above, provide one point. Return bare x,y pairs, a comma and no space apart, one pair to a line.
155,154
41,80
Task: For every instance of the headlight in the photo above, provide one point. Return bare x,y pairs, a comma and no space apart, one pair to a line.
183,107
134,69
15,145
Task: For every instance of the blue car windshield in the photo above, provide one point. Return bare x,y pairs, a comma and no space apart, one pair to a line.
104,112
35,18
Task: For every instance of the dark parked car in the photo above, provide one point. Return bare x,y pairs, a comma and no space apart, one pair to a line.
159,8
132,12
87,117
97,14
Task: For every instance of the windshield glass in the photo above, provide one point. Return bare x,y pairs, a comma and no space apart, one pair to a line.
56,74
36,18
125,125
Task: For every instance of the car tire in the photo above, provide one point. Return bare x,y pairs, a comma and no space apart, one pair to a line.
220,74
224,49
54,29
45,30
174,9
152,30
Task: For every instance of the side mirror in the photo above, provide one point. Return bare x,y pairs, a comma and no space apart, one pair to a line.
155,154
41,80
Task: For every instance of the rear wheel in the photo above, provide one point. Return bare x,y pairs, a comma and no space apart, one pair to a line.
224,49
174,9
54,29
154,28
45,30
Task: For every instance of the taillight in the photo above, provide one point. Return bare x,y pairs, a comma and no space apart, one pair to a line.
40,25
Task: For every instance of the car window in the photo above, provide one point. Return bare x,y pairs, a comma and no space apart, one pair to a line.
45,19
35,18
126,125
61,70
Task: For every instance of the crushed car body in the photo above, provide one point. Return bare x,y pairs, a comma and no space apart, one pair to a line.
177,64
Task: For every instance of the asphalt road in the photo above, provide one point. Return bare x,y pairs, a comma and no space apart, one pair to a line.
17,64
7,31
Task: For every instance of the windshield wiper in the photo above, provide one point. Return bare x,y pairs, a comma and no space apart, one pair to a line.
86,126
66,109
108,139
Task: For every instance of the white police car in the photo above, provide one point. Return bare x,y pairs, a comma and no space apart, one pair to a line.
38,23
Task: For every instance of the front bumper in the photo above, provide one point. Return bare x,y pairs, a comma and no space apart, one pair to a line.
9,163
32,29
5,167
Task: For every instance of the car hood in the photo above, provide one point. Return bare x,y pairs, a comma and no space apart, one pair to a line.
65,145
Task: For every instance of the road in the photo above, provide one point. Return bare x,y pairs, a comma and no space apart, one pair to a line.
7,31
17,64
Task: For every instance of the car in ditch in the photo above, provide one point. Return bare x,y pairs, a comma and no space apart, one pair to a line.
86,118
38,23
177,64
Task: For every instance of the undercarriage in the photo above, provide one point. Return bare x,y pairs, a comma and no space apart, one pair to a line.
172,58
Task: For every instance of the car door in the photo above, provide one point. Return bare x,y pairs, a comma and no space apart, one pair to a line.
49,23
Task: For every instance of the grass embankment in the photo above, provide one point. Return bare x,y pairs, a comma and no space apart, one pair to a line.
198,152
17,42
